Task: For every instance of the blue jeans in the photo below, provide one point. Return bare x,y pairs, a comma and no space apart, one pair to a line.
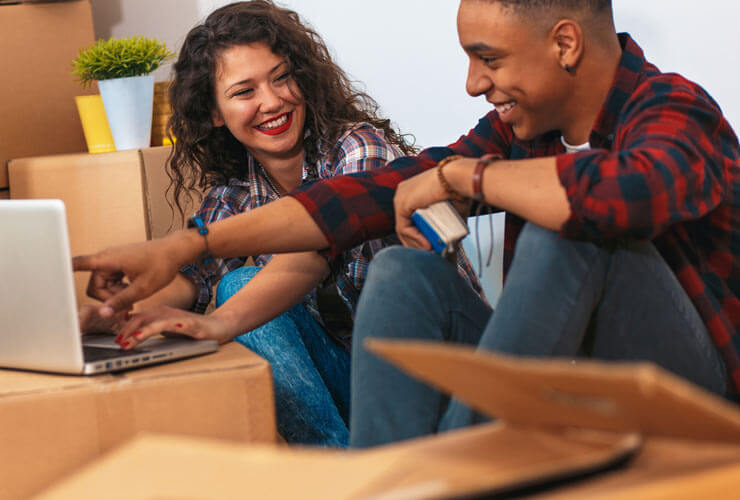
310,371
562,298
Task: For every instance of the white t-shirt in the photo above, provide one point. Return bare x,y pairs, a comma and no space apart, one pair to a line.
570,148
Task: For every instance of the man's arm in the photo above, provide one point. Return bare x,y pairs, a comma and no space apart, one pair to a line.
279,227
331,215
355,208
528,188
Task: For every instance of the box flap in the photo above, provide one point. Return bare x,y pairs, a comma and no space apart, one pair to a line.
624,397
168,467
485,459
163,215
497,459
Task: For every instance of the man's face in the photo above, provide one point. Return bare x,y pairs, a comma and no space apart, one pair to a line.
515,65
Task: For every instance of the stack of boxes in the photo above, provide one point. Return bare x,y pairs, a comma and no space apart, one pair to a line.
51,426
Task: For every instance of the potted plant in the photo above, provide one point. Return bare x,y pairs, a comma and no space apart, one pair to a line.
121,66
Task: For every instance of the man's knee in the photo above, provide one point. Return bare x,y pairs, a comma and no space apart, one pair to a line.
539,248
407,266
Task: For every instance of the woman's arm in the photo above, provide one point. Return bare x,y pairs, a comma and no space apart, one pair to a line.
283,283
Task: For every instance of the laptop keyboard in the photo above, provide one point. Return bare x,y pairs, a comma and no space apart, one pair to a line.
91,353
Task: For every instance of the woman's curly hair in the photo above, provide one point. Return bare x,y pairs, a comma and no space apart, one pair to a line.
206,155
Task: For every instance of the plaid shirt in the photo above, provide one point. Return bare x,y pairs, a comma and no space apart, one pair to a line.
664,167
360,148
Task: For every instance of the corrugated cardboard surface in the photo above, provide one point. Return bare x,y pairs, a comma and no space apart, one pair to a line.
111,198
4,194
102,193
37,109
667,469
557,420
51,425
163,215
622,397
475,460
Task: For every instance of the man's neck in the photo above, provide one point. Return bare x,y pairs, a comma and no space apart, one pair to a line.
594,80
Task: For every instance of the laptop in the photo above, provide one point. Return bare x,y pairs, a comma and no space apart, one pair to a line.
39,326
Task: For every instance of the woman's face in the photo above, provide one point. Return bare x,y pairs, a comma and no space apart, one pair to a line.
258,100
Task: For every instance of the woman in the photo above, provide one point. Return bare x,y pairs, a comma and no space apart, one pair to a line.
258,109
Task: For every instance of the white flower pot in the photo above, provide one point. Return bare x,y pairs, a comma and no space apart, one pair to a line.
128,106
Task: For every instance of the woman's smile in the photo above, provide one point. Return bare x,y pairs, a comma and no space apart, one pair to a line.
276,126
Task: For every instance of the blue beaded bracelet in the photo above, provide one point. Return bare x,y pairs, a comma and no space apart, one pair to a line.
197,222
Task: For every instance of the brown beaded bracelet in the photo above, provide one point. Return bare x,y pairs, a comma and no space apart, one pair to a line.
483,162
454,195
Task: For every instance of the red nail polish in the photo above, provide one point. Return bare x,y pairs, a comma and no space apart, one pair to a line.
118,339
137,334
179,325
126,344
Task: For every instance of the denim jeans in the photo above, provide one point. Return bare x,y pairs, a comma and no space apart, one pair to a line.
310,371
562,298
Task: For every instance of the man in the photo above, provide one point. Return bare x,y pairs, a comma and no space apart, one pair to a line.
621,186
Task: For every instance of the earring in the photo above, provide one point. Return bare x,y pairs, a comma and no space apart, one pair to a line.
570,69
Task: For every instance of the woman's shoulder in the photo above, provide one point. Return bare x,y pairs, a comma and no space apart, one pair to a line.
361,132
363,140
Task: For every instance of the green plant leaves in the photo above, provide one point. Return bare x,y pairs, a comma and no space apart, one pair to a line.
119,58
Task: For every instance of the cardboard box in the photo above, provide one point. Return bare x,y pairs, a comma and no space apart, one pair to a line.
111,198
557,421
52,425
37,89
4,194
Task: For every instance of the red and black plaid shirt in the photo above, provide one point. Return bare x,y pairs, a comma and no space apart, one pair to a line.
663,166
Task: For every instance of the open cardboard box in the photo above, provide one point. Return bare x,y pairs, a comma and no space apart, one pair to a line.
556,420
50,425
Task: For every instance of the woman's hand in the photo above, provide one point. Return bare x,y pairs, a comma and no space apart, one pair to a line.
148,267
92,322
169,320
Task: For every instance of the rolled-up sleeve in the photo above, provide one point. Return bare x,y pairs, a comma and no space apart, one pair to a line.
353,208
666,166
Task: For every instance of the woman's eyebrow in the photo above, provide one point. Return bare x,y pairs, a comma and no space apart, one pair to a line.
277,66
249,80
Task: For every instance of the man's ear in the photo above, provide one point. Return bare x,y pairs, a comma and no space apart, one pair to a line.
217,119
567,39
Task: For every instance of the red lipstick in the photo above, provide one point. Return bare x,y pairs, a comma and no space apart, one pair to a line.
279,130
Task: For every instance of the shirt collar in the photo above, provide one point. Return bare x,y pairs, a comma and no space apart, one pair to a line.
630,73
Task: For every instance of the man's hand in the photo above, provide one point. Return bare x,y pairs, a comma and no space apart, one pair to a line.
147,266
422,191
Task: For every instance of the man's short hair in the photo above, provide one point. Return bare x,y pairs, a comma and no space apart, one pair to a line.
572,5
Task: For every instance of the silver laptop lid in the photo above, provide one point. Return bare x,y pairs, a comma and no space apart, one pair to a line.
39,329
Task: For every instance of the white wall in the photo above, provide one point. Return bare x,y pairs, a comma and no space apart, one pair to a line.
407,55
